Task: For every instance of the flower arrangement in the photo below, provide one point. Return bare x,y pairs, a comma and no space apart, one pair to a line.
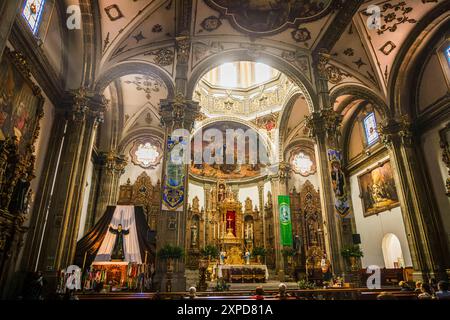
304,284
210,252
259,252
170,252
352,251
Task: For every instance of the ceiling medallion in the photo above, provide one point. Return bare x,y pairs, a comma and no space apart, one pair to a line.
270,17
147,84
146,153
211,23
301,35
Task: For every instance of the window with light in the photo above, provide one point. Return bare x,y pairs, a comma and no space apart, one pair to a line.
228,75
147,154
302,163
370,129
447,55
32,13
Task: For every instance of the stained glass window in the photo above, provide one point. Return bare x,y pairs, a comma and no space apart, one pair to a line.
370,128
32,13
302,163
146,154
447,54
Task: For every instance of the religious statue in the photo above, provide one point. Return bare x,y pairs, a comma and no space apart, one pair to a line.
223,255
247,257
118,251
325,265
194,234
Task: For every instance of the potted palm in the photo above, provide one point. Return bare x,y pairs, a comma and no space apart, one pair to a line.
352,254
170,254
259,253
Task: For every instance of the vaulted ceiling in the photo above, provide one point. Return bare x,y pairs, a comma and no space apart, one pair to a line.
284,34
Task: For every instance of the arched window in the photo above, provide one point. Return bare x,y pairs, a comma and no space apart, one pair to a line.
32,13
228,75
392,251
447,55
370,128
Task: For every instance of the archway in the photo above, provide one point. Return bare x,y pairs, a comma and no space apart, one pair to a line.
392,251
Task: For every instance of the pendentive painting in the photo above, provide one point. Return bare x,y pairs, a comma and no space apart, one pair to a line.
270,16
378,191
20,102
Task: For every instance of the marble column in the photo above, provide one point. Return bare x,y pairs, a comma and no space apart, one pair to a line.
429,252
324,128
8,11
57,249
278,184
176,114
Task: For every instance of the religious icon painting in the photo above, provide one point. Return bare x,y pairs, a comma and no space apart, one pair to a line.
378,191
338,179
20,102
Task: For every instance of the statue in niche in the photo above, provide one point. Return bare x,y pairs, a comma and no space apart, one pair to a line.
249,230
194,235
221,194
195,204
248,205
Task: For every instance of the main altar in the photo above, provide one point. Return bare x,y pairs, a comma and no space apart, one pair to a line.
235,229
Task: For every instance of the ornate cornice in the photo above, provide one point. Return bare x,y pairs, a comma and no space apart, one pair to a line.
179,113
325,123
394,132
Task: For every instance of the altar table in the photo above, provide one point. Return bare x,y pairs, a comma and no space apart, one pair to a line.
223,270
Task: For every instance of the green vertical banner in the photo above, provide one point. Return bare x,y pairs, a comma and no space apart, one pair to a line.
284,205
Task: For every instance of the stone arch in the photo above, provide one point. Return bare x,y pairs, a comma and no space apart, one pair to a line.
243,55
126,68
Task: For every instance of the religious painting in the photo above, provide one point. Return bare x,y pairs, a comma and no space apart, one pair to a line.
270,16
445,146
20,101
339,182
378,191
225,169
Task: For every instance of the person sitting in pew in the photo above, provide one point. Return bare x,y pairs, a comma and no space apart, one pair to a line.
425,292
282,292
442,293
404,286
418,288
259,294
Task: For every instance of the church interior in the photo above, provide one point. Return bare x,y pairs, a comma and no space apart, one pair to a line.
314,138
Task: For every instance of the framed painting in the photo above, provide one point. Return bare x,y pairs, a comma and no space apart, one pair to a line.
378,191
20,101
445,145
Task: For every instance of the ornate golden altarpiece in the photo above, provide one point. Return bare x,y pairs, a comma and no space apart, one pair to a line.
225,223
143,193
307,227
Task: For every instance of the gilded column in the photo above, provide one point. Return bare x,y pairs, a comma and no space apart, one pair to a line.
262,212
429,252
